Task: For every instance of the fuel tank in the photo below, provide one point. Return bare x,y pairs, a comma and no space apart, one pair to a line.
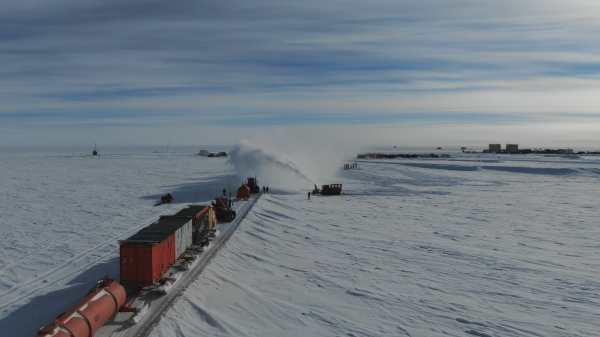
99,306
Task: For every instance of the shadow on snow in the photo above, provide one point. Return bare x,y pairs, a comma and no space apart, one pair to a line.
200,190
43,309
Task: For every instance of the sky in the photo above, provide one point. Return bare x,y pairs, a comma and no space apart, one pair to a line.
462,72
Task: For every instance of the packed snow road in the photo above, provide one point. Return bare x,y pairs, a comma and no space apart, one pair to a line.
410,250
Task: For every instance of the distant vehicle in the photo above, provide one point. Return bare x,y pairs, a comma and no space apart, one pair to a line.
331,189
253,185
95,151
223,210
205,153
243,192
165,199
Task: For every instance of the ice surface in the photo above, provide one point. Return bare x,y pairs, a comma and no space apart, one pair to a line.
411,250
63,214
479,245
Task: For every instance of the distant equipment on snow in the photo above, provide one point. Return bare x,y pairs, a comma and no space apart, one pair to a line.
165,199
248,188
223,210
253,185
95,151
206,153
243,192
331,189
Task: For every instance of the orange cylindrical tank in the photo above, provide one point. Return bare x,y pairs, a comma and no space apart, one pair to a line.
99,306
53,330
75,323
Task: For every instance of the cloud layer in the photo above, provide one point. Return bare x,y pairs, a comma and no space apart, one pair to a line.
146,64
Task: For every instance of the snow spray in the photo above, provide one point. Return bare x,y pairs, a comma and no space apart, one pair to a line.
283,166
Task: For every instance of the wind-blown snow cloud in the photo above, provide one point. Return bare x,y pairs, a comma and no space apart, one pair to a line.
148,64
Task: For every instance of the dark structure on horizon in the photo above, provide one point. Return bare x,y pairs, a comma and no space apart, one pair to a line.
512,148
495,148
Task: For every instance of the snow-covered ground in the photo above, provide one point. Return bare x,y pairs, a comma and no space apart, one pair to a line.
476,245
62,214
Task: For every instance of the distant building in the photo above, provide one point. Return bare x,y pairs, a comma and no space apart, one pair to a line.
512,148
495,148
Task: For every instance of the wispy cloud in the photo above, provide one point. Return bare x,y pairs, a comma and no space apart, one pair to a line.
309,62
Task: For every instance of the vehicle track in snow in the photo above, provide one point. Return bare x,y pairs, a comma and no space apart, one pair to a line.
41,250
65,270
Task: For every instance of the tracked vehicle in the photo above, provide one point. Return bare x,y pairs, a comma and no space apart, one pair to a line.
331,189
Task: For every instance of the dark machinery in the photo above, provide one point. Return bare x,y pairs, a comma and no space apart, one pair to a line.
223,210
253,185
165,199
331,189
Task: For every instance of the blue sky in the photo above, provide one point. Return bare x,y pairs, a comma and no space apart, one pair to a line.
120,71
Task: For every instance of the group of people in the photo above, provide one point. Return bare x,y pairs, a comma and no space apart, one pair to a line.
265,189
350,166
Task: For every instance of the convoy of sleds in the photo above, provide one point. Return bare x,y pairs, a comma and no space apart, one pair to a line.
151,263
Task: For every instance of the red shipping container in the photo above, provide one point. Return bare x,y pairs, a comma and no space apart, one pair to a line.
145,257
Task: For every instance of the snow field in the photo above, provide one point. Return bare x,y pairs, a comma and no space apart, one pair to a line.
409,251
63,215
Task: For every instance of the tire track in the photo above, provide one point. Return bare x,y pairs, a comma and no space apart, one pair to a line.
24,290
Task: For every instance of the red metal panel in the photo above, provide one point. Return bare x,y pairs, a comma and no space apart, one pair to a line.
144,264
145,258
169,252
157,269
136,264
127,259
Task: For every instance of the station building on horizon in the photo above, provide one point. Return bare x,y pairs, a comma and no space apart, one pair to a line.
495,148
512,148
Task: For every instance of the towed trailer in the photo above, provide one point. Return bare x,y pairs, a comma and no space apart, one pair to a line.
144,309
157,264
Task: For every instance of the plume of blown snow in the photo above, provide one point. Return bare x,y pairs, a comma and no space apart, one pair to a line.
286,165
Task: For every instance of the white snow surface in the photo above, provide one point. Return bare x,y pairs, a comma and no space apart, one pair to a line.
473,245
62,214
